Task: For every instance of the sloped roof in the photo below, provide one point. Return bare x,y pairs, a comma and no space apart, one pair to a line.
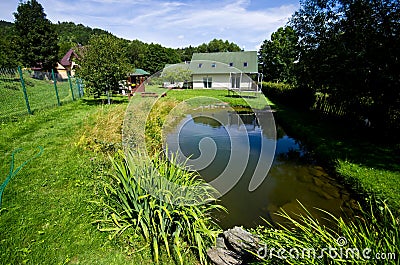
139,71
224,62
67,59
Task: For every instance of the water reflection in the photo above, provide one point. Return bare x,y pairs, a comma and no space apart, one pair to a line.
292,176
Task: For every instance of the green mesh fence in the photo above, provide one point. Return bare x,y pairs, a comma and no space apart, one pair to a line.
11,96
40,91
13,172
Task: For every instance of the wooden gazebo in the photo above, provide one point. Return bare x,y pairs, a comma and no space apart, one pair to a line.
136,79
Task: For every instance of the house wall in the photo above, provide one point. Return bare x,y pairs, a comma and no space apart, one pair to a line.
63,73
220,81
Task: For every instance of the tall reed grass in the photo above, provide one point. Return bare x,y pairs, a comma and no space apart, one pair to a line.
370,237
163,202
154,124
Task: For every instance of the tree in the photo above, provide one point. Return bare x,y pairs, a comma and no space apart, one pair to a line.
218,46
137,53
37,39
177,73
158,56
277,56
350,51
8,55
72,35
186,53
213,46
104,63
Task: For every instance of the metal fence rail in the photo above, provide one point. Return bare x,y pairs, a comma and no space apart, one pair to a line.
24,91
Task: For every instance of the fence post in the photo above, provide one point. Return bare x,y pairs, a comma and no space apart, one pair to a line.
24,90
55,87
78,85
70,85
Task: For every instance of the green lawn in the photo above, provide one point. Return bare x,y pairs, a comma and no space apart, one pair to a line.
47,214
245,99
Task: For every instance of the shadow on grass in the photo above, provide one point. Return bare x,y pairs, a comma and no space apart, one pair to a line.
240,96
104,101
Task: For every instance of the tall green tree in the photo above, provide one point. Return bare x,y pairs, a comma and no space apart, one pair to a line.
350,51
37,39
277,56
103,64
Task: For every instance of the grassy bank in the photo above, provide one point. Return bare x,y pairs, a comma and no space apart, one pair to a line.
47,214
366,161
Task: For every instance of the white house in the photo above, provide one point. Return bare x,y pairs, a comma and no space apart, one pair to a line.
220,70
224,70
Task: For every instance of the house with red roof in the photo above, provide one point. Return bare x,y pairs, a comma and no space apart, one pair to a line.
67,64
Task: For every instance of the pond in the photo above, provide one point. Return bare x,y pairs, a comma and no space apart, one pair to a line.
231,142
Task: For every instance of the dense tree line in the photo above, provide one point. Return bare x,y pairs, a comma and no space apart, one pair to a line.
71,35
346,50
151,57
33,41
215,45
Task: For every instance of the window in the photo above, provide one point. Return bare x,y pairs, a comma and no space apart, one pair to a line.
213,65
230,64
200,65
245,64
207,82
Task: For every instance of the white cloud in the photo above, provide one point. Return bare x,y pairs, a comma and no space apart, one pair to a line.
173,23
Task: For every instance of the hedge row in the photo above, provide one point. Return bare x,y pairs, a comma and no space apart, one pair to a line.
289,94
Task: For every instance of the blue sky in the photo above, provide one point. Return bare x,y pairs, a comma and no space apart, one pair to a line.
174,23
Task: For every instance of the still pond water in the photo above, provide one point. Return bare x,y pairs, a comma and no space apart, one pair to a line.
292,177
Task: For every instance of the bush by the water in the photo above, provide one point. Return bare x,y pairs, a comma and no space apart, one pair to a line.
163,202
289,94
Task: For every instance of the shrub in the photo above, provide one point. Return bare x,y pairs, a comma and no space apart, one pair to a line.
164,203
289,94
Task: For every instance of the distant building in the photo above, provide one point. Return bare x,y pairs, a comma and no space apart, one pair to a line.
223,70
67,65
136,79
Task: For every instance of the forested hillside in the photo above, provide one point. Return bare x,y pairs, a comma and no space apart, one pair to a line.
151,57
70,35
